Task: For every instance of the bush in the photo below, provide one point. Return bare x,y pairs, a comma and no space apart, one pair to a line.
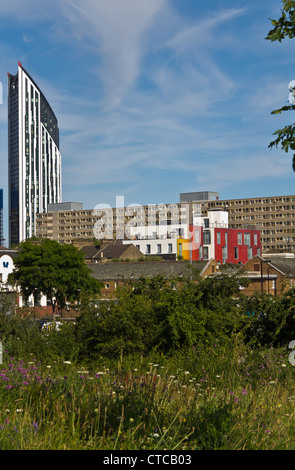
151,314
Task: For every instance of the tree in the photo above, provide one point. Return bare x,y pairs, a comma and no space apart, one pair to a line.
55,270
284,27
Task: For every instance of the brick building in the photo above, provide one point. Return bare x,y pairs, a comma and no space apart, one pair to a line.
271,274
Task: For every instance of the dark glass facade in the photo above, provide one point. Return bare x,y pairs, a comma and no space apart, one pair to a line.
1,218
34,166
13,158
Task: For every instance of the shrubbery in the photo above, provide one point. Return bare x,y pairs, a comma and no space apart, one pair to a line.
152,316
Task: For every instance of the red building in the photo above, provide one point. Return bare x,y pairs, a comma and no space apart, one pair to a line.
225,245
236,245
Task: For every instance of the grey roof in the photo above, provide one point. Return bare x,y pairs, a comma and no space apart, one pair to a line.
89,251
167,269
12,253
285,265
115,251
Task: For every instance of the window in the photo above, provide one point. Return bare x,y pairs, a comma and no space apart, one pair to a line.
249,252
159,248
206,223
197,236
218,238
180,249
240,238
255,238
207,237
169,247
247,239
148,249
236,252
206,253
224,254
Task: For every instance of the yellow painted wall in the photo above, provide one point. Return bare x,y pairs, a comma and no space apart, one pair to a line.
185,248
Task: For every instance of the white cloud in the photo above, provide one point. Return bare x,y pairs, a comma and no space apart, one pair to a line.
202,32
118,30
29,10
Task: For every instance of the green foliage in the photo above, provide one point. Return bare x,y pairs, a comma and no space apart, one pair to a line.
153,315
7,313
285,136
284,27
55,270
272,319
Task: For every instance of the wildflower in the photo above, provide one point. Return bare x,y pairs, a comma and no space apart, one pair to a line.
67,362
36,426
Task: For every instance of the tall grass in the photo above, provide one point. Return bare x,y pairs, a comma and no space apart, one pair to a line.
206,400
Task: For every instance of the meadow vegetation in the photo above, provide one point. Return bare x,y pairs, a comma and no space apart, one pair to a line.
184,366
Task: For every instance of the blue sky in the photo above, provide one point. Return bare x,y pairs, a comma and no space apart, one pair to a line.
155,97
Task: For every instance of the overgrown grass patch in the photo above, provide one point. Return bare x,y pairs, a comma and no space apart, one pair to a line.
148,405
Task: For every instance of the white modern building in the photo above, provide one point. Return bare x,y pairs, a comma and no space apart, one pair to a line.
6,267
157,239
215,219
158,232
167,246
34,159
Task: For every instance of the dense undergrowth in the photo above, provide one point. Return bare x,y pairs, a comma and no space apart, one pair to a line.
197,367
